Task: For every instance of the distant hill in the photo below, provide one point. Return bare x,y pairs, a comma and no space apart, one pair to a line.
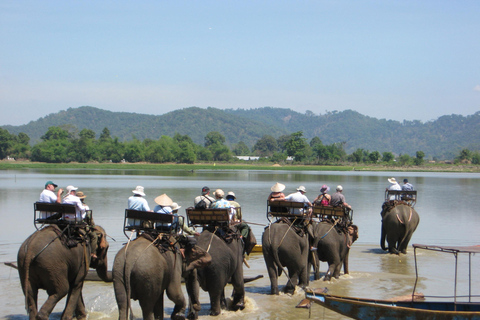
442,138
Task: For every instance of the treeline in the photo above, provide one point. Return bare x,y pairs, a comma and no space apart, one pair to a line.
63,145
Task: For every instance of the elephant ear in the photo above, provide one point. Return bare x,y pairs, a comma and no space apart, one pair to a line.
102,240
196,257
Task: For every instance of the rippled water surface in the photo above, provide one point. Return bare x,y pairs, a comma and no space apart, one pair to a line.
447,203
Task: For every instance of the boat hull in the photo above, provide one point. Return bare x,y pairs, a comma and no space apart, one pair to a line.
361,309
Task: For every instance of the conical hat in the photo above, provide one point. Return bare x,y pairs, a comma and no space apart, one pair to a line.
278,187
164,200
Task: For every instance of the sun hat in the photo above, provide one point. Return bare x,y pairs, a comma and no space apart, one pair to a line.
278,187
392,180
71,188
139,190
164,200
339,188
50,182
81,195
205,190
231,194
175,206
302,189
324,189
219,193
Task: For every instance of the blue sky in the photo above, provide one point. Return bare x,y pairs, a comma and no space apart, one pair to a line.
413,60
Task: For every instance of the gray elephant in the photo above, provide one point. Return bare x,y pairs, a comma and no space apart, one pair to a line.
333,246
148,266
283,247
399,222
226,267
49,261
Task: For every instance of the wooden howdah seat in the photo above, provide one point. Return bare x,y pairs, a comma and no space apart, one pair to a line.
410,197
139,221
283,208
210,217
328,212
56,213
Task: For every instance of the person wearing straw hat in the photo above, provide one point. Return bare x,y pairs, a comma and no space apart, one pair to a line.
91,225
277,193
300,196
164,204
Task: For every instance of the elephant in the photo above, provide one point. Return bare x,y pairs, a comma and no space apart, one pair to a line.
148,266
46,261
283,247
399,222
333,246
226,267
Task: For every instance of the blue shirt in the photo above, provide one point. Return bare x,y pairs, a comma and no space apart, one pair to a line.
221,204
138,203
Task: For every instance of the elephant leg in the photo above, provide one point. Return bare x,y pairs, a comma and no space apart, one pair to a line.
402,247
147,304
291,283
72,301
303,279
32,298
192,286
158,308
175,294
80,311
272,274
238,291
330,271
49,304
215,301
338,268
122,300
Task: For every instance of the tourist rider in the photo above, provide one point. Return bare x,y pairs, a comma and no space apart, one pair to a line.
394,186
48,195
71,198
137,202
205,200
277,193
323,199
407,186
300,196
338,199
90,225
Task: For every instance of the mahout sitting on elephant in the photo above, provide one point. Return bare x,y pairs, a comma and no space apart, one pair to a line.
227,248
150,265
50,260
399,222
285,245
332,242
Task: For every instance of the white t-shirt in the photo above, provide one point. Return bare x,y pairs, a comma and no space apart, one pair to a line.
79,208
48,196
297,197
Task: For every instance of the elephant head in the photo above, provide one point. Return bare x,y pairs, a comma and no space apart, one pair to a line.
195,257
100,263
352,234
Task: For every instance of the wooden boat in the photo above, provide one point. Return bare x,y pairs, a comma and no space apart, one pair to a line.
413,306
257,248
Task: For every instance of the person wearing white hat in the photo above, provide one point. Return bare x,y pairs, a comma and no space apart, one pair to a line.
234,204
300,196
137,202
277,193
393,186
338,199
71,198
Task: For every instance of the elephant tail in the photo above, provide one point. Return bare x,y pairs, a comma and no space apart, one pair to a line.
27,260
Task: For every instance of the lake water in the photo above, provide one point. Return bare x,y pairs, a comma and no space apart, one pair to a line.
448,205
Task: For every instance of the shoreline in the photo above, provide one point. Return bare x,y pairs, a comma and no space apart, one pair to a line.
18,165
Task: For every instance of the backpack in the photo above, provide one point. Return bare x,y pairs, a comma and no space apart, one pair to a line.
202,204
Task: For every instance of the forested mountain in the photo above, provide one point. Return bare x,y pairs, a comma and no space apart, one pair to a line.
442,138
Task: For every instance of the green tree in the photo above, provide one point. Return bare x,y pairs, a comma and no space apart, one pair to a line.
187,153
374,156
214,137
387,156
404,160
265,146
6,141
296,146
134,151
241,149
418,160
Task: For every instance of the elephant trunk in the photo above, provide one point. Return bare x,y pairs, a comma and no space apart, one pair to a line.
103,273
